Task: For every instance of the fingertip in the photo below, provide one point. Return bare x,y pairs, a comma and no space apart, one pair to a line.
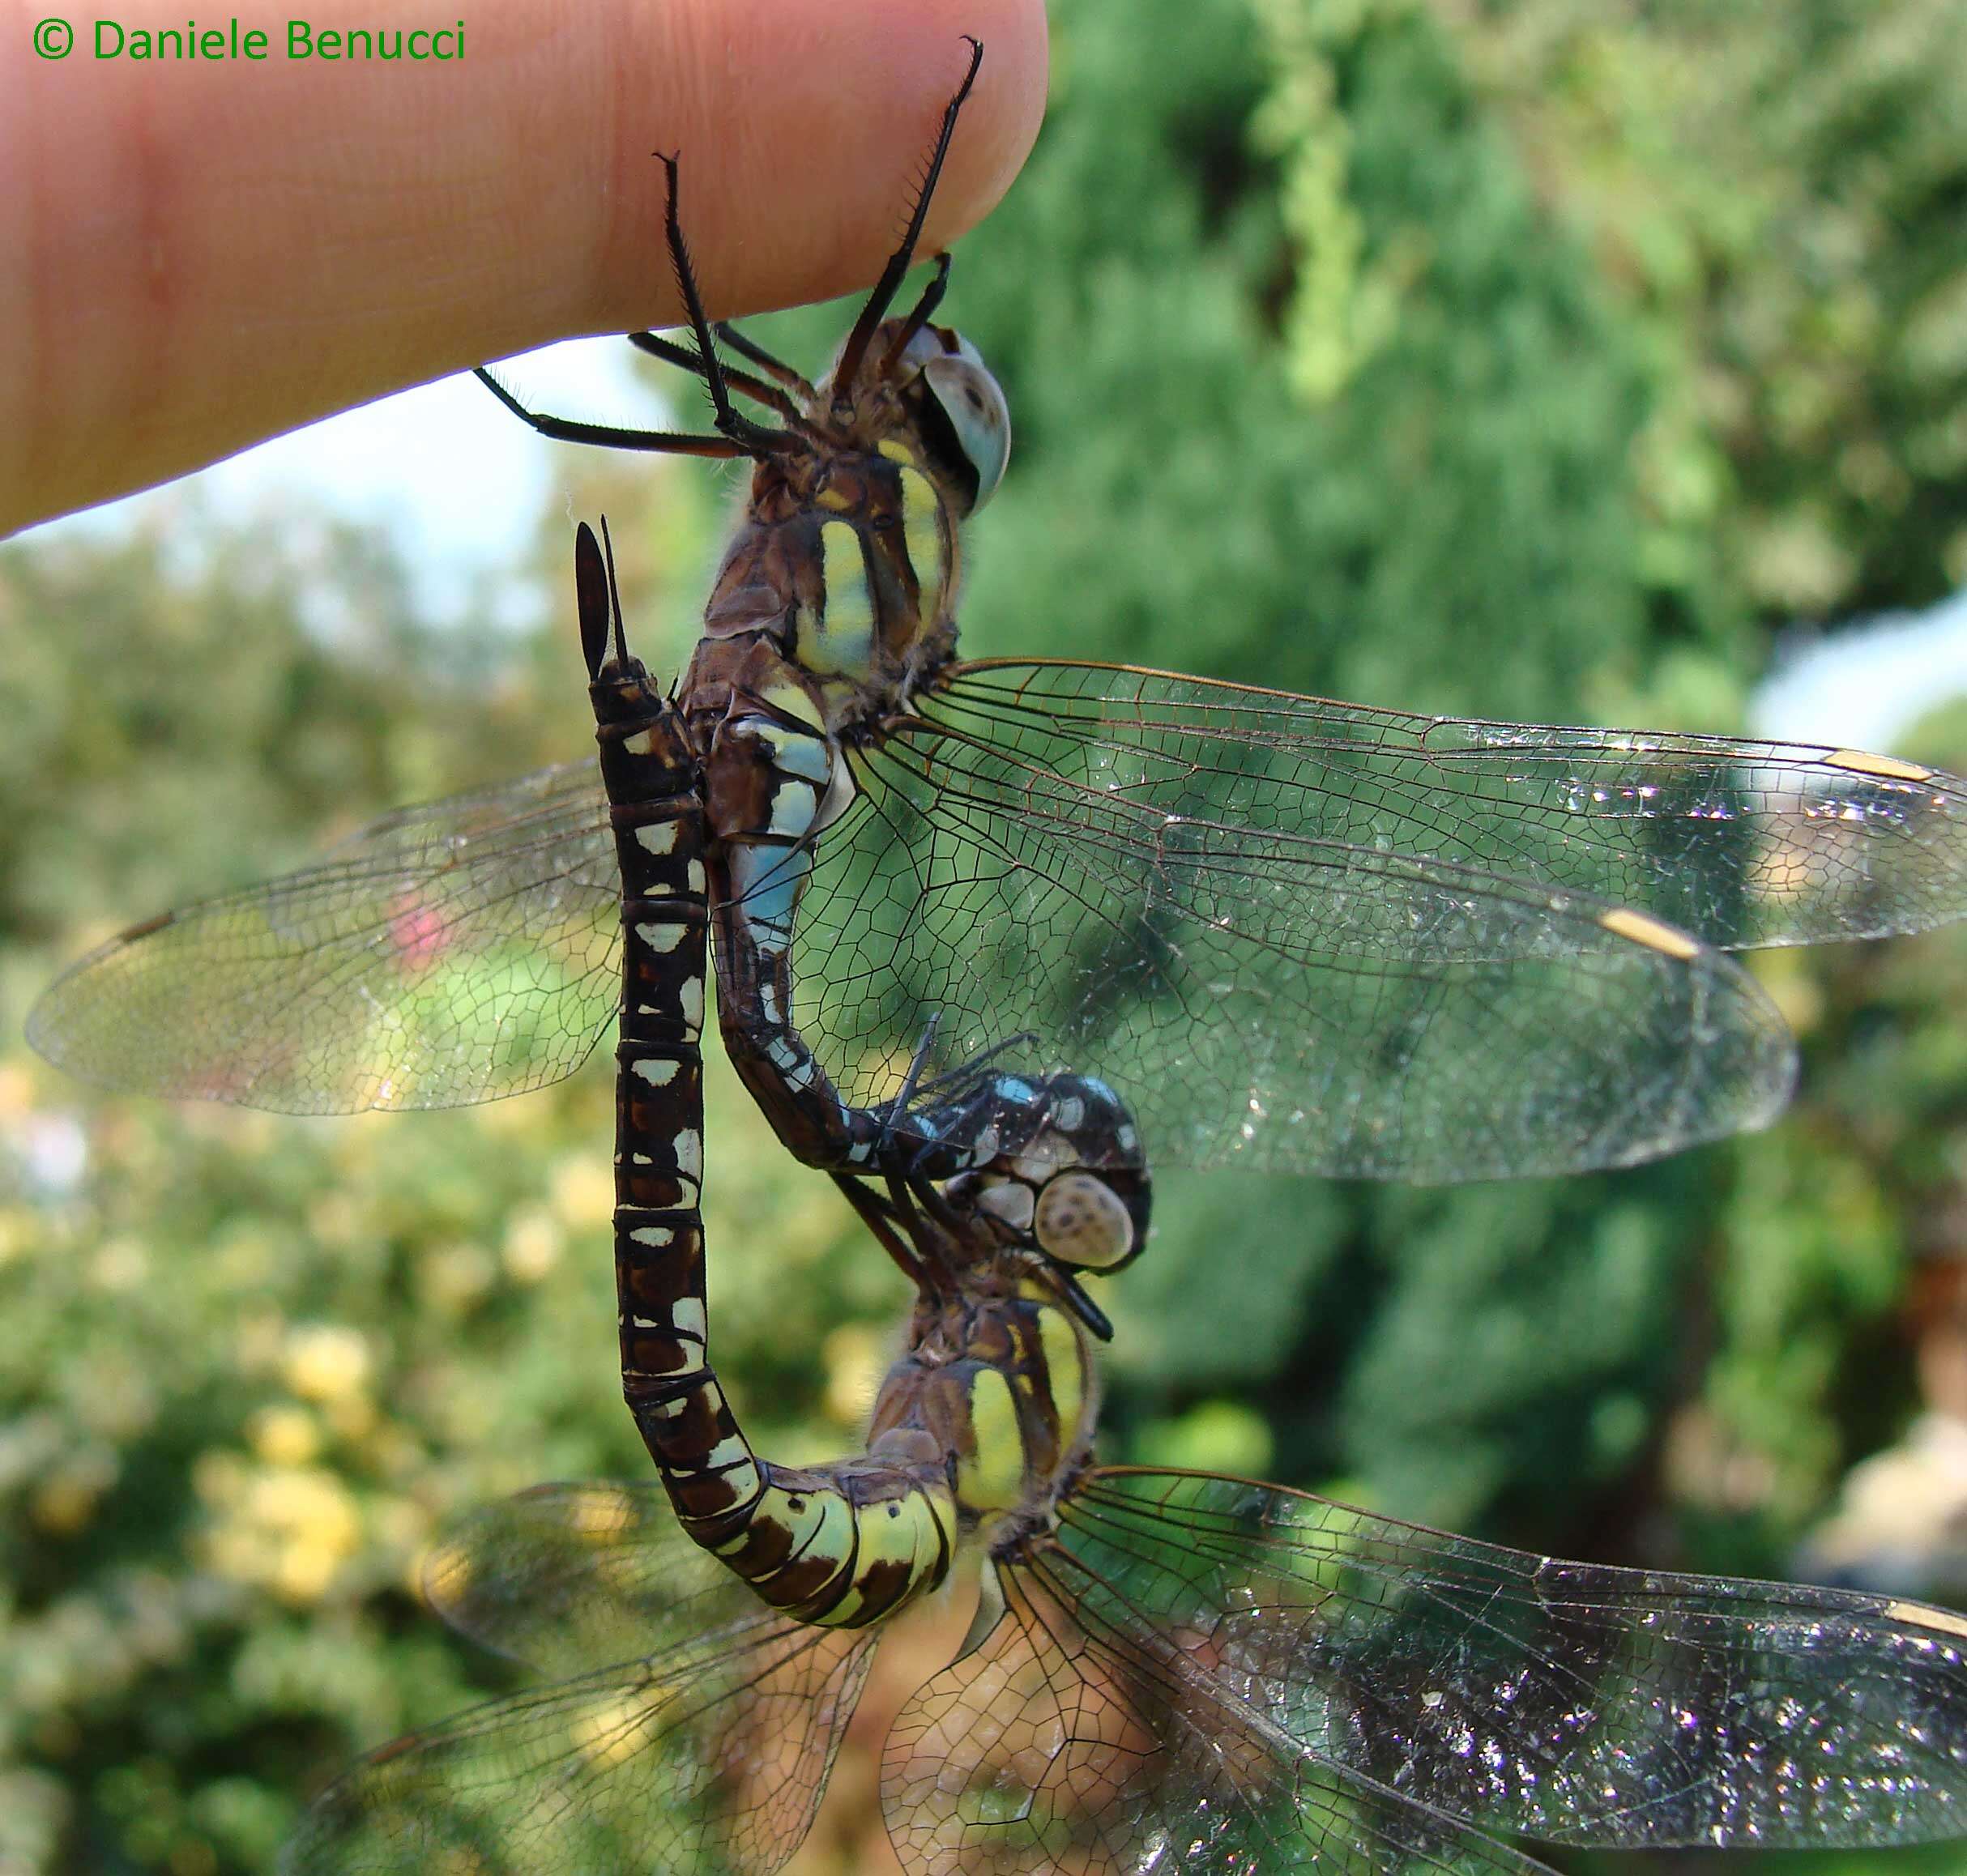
224,250
802,159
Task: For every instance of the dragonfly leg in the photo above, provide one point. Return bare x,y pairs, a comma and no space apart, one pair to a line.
608,435
774,367
741,381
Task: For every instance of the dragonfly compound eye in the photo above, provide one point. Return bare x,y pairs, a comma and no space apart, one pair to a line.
976,432
1080,1220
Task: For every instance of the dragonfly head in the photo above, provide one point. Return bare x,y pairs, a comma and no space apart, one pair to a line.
957,409
1063,1170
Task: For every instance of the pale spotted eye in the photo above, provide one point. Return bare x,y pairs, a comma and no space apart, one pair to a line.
1079,1219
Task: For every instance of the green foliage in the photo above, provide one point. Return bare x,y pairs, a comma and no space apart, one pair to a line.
1521,360
1775,193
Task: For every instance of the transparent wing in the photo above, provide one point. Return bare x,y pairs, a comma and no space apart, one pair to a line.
1263,997
1577,1703
704,1745
564,1578
1743,843
446,954
1071,1741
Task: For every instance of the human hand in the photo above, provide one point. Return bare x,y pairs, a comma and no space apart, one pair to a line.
209,252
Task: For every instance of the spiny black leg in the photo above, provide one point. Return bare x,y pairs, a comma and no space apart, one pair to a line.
740,382
915,1199
775,369
754,439
932,298
899,1106
898,263
963,1077
608,436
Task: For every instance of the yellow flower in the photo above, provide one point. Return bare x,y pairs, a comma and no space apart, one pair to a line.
534,1242
285,1435
289,1531
325,1361
584,1191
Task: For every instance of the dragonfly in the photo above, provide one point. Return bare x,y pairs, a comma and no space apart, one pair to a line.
1294,933
838,1547
1168,1669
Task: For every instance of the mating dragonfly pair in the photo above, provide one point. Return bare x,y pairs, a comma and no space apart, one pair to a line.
1167,1670
940,896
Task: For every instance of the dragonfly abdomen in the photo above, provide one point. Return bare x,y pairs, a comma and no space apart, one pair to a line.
838,1546
844,1543
658,1126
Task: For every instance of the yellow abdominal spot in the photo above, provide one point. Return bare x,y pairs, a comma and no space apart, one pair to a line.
794,752
789,700
905,1531
819,1523
657,838
991,1477
794,803
663,936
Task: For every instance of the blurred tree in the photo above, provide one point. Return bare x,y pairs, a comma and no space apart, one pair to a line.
1775,197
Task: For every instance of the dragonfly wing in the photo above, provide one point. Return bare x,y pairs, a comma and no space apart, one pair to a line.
446,954
1577,1703
1069,1741
1266,999
565,1578
705,1745
1741,842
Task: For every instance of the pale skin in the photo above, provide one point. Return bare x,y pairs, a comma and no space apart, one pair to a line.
206,253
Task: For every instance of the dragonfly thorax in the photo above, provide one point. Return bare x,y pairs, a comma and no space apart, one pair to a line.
1001,1381
847,557
846,566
